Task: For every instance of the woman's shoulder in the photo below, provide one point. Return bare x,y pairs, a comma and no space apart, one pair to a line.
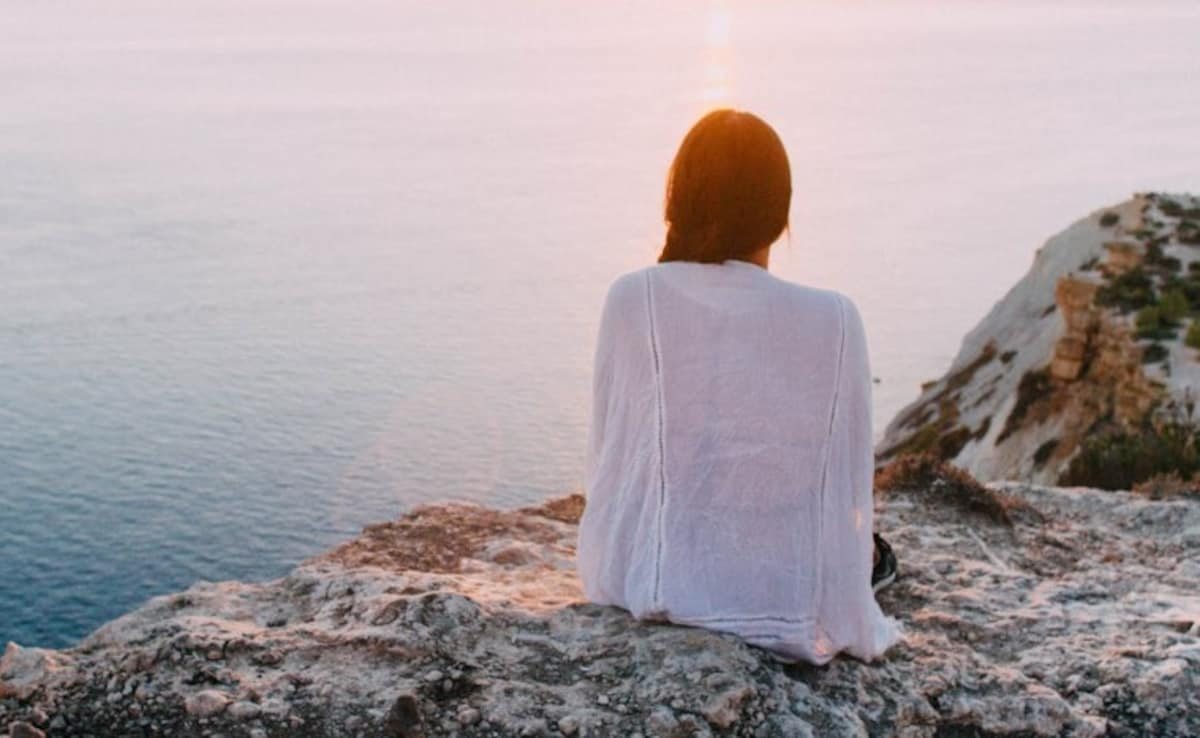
828,300
631,286
626,288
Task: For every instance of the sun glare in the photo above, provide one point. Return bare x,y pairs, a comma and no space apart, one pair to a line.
718,82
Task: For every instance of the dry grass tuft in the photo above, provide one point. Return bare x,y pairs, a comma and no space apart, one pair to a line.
1167,486
940,482
566,509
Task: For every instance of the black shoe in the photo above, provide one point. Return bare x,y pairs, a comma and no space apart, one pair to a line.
885,571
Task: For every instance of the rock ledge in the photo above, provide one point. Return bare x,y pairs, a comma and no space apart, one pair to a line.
1081,620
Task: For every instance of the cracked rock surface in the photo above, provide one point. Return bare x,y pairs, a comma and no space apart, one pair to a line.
1082,619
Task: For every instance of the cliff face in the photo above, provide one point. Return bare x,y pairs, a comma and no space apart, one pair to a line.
1094,336
1081,619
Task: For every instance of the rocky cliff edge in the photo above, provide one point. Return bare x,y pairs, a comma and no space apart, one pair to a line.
1079,618
1102,334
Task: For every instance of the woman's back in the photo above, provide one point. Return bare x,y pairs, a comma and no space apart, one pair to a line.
729,461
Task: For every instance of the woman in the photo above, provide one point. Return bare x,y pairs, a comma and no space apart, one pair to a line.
729,462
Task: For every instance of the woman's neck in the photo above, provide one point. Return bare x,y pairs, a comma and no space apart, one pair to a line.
760,257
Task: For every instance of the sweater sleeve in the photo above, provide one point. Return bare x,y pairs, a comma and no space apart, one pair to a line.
602,377
848,615
617,528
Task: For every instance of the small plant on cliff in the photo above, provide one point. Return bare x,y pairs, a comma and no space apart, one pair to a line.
1158,261
1188,286
1153,325
1170,208
1166,486
1173,305
1154,352
1121,459
1109,219
1193,335
1170,265
941,433
1130,291
1148,321
942,483
1188,232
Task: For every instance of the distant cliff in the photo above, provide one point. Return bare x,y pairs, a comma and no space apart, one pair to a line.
1095,338
1029,611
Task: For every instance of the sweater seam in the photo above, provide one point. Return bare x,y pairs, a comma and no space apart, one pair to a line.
818,592
656,595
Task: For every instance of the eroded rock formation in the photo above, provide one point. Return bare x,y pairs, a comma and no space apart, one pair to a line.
1075,347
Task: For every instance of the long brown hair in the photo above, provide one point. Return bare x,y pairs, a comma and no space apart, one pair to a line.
728,189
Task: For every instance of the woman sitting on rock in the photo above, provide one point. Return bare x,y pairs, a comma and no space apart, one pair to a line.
729,461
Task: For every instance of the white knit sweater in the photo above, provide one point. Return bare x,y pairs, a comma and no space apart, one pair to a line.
729,460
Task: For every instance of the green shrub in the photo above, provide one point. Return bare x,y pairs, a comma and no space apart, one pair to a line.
1171,264
1188,232
1193,335
1173,306
1149,318
1170,208
1153,353
1152,325
1130,291
1122,459
1192,290
1158,261
1109,219
1190,287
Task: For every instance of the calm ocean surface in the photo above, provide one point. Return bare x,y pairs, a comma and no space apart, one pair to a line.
272,271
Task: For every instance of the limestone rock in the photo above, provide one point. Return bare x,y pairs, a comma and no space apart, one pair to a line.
1080,620
1053,360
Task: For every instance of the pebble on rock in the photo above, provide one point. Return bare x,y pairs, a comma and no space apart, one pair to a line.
468,716
206,703
24,730
244,710
404,719
568,725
